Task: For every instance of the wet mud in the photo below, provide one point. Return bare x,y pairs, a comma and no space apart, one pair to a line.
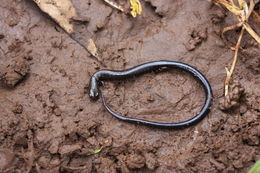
49,124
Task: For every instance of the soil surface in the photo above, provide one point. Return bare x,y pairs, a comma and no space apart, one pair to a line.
49,124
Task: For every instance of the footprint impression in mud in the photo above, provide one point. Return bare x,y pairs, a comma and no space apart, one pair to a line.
102,75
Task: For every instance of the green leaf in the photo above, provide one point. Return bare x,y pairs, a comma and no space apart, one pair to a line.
96,151
255,168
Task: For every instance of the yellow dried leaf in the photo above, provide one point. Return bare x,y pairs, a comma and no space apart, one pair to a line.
251,7
234,9
252,32
136,7
242,4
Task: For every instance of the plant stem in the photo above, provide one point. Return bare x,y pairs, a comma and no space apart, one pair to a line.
229,74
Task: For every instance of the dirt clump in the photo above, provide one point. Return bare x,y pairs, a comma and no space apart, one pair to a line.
150,161
18,108
232,100
14,72
196,38
134,161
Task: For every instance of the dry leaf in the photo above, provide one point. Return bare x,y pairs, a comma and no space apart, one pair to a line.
136,7
92,47
61,11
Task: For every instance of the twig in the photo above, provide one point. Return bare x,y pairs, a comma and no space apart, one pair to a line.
114,5
230,72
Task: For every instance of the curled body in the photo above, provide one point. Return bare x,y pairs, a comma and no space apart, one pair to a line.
104,75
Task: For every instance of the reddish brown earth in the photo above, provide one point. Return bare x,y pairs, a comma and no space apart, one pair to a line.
49,124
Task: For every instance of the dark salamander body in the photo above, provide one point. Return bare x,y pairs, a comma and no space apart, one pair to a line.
104,75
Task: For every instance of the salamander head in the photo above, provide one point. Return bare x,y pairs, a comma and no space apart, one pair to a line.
93,89
93,94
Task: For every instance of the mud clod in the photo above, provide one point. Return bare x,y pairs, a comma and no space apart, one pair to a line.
135,161
18,109
14,73
196,38
151,161
252,136
57,111
232,100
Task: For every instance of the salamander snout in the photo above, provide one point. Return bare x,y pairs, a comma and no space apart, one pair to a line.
93,89
94,94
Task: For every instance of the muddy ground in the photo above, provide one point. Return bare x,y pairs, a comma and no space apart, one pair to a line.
49,124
